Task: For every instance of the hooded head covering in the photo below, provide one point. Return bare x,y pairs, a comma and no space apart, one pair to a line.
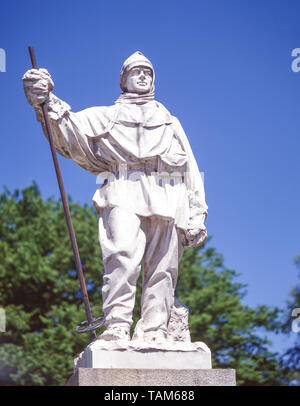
134,60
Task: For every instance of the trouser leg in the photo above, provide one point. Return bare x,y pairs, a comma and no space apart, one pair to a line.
160,270
122,242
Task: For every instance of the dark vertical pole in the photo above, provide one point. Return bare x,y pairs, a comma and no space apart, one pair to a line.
66,208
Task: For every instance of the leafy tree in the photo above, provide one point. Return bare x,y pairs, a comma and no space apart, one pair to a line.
290,360
40,293
220,319
39,289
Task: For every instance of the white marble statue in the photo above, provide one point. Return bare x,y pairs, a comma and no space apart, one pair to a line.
151,204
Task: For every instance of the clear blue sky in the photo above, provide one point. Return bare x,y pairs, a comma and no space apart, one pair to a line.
222,67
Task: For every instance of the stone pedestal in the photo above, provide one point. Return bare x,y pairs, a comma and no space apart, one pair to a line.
152,377
137,354
139,363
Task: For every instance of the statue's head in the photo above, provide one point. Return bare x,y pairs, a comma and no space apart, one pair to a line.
137,74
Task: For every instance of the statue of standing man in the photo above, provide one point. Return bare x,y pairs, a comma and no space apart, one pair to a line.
152,202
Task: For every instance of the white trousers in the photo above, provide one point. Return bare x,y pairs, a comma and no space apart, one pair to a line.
129,241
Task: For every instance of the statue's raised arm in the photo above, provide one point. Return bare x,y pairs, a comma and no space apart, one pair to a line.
69,129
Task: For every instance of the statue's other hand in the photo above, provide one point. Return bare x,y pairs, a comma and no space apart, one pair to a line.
37,86
196,237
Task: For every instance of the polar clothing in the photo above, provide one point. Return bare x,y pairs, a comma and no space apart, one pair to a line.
151,196
127,241
143,138
135,60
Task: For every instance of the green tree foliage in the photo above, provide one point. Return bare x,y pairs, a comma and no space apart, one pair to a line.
40,293
39,289
219,318
291,358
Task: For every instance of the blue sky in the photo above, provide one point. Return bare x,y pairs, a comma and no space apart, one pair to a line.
222,67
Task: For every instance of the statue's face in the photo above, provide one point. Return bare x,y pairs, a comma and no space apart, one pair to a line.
139,80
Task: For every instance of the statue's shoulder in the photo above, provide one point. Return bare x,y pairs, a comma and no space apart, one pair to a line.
169,117
100,112
166,111
95,121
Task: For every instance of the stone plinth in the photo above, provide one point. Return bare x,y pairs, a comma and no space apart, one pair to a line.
138,354
140,363
152,377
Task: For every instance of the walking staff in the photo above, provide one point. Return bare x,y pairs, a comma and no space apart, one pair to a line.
93,323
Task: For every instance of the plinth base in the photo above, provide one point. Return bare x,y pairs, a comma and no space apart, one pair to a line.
152,377
140,363
142,355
